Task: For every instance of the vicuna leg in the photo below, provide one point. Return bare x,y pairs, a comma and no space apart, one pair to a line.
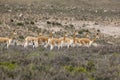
46,45
51,47
58,47
25,44
35,44
7,45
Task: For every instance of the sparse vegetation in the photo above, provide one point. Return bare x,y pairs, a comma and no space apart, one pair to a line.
73,63
8,65
83,30
0,22
21,37
30,17
20,24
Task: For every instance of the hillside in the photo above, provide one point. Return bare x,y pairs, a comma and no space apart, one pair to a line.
33,18
106,4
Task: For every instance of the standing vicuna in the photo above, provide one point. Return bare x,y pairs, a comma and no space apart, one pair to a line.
8,40
77,41
29,39
43,40
52,42
55,42
36,41
88,42
70,41
65,41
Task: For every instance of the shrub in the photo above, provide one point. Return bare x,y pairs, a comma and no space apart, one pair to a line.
75,69
32,22
90,66
8,65
20,24
96,23
69,68
83,30
80,69
21,37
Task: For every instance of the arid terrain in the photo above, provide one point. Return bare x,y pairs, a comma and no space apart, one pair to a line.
101,61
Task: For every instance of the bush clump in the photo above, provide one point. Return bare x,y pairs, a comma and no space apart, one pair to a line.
8,65
20,24
79,69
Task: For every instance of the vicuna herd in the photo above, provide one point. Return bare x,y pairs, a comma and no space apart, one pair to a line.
52,41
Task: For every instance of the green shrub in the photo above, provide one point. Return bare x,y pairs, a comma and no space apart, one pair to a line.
8,65
20,24
80,69
91,78
83,30
69,68
75,69
90,66
21,37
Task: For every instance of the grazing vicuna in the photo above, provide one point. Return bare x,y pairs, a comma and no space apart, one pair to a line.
8,40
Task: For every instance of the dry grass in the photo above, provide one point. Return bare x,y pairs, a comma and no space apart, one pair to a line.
95,63
108,4
79,63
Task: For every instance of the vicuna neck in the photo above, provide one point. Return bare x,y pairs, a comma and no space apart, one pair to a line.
74,36
64,37
51,35
11,36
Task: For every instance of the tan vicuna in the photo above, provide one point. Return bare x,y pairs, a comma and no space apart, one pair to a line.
55,42
70,41
36,41
29,39
88,42
8,40
77,41
44,39
74,39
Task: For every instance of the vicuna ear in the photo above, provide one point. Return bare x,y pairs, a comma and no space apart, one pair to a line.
97,35
87,34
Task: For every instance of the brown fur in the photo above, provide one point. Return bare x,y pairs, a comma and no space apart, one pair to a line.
87,41
55,42
8,40
30,39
